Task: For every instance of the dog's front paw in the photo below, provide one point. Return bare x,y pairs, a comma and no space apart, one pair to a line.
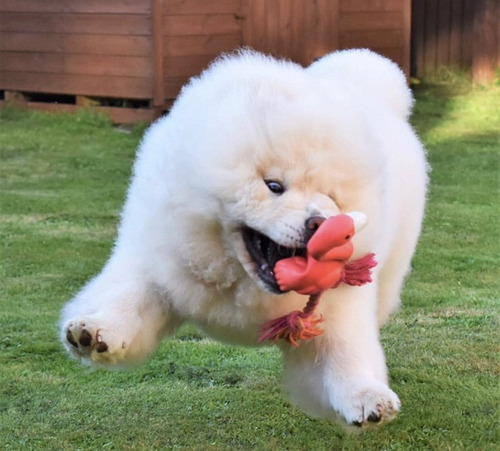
365,403
93,344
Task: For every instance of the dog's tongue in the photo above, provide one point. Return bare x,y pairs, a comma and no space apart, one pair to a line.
327,251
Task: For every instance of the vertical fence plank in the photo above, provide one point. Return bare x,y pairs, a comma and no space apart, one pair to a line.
406,38
157,53
443,33
430,42
284,27
485,45
455,51
417,36
272,25
467,33
297,29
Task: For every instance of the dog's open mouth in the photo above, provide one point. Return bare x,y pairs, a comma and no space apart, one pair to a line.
266,253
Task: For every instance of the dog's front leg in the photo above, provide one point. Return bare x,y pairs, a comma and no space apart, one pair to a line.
343,372
118,319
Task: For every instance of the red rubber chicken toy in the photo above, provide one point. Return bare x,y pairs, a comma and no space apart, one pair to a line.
323,267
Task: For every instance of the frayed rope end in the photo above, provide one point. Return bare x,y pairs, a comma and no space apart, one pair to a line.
295,326
292,327
359,272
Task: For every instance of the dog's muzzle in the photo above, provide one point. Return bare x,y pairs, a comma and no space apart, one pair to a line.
265,252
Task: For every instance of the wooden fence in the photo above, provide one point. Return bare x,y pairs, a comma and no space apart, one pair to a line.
129,58
457,33
195,31
306,30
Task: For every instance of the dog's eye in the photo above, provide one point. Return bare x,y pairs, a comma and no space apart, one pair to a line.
275,187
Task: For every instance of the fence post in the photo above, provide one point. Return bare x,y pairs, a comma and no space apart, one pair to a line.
406,63
157,54
485,46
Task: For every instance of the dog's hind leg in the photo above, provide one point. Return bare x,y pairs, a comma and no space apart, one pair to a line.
117,320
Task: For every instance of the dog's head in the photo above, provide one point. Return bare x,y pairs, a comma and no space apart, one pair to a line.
277,196
273,155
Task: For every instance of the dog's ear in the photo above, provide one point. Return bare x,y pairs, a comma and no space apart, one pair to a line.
370,73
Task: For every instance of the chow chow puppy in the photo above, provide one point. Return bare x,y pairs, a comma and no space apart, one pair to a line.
223,187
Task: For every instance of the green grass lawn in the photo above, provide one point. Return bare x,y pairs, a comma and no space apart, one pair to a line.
63,180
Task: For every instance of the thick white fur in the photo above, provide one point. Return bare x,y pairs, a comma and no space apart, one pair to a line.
336,134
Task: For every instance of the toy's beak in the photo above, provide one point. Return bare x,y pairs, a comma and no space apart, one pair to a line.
360,220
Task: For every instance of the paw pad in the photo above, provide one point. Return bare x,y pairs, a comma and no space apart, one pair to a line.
101,345
85,338
374,417
84,341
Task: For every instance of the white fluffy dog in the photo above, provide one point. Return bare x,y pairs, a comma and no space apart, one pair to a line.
251,150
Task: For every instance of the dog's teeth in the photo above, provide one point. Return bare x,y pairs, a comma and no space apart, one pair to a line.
264,267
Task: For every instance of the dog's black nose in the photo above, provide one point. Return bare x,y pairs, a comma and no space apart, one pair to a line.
312,224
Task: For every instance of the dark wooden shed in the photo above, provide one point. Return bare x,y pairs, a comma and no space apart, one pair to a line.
129,58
